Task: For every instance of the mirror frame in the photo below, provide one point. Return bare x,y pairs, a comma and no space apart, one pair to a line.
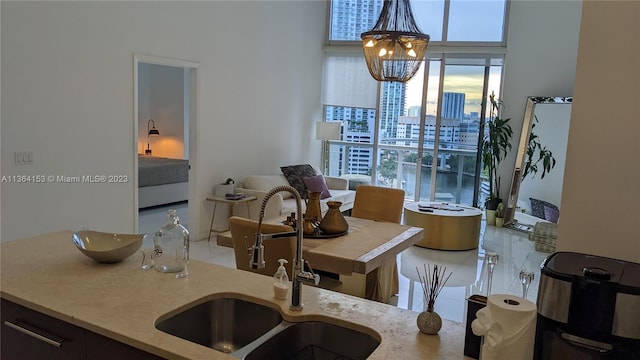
529,115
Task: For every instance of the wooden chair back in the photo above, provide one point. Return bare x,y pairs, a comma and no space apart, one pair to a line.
274,249
378,203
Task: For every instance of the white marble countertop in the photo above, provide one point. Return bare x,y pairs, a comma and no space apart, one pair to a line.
47,274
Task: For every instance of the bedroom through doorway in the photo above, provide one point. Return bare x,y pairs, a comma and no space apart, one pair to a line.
165,91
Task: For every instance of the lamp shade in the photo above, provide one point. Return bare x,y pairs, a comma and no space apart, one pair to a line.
328,130
152,131
395,47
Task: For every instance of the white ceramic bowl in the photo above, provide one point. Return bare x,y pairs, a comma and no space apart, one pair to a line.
107,247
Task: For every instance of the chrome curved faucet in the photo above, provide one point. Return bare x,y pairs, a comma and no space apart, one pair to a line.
257,250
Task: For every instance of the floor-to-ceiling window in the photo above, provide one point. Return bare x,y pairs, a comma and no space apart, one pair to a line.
421,136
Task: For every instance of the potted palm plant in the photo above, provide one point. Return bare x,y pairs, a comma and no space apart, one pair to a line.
495,146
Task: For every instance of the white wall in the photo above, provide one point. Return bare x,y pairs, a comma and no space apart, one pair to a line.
542,46
67,96
161,91
601,196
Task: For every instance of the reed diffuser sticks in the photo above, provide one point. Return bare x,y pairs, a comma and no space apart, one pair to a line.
432,282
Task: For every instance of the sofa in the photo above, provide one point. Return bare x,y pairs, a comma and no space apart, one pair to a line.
283,203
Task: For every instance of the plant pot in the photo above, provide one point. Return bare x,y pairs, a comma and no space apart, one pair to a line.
499,221
490,216
492,204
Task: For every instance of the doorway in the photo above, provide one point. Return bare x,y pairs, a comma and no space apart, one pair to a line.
165,123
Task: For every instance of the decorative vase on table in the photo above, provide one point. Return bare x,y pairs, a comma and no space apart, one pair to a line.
432,282
333,221
313,212
429,322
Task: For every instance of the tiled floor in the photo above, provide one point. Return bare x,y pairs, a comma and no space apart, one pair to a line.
150,220
469,268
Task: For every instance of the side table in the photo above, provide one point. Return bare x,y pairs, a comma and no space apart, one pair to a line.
446,227
223,200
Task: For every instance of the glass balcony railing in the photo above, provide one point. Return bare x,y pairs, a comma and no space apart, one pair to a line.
454,176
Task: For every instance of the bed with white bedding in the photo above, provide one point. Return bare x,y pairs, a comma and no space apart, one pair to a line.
161,180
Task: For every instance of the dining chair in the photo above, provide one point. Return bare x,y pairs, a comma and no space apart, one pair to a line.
274,249
380,204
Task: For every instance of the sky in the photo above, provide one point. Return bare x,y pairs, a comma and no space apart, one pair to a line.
463,79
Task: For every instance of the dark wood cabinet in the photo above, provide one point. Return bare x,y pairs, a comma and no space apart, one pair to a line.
27,334
103,348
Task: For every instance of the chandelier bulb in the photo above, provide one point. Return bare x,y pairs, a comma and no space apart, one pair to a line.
395,29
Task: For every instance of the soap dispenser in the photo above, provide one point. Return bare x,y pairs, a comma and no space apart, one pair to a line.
281,281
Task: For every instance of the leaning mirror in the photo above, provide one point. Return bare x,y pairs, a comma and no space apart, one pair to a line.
536,187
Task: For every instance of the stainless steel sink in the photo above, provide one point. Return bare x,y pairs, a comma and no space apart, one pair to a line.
225,324
315,340
252,331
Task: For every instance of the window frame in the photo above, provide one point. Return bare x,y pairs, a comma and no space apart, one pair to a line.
437,50
437,45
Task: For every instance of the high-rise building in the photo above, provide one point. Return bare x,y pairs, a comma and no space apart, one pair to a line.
453,105
413,110
409,128
358,126
392,101
350,18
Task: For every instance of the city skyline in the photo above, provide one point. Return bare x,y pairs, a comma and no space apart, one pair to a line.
455,83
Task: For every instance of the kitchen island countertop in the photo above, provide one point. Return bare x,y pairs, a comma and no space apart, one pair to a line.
121,301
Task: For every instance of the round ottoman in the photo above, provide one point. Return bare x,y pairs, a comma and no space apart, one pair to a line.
446,227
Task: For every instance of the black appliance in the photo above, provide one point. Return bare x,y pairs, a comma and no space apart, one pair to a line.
588,308
472,342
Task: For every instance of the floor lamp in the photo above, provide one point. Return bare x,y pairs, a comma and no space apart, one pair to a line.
326,131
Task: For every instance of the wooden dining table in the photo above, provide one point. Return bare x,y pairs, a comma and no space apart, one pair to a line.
365,246
356,257
363,258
